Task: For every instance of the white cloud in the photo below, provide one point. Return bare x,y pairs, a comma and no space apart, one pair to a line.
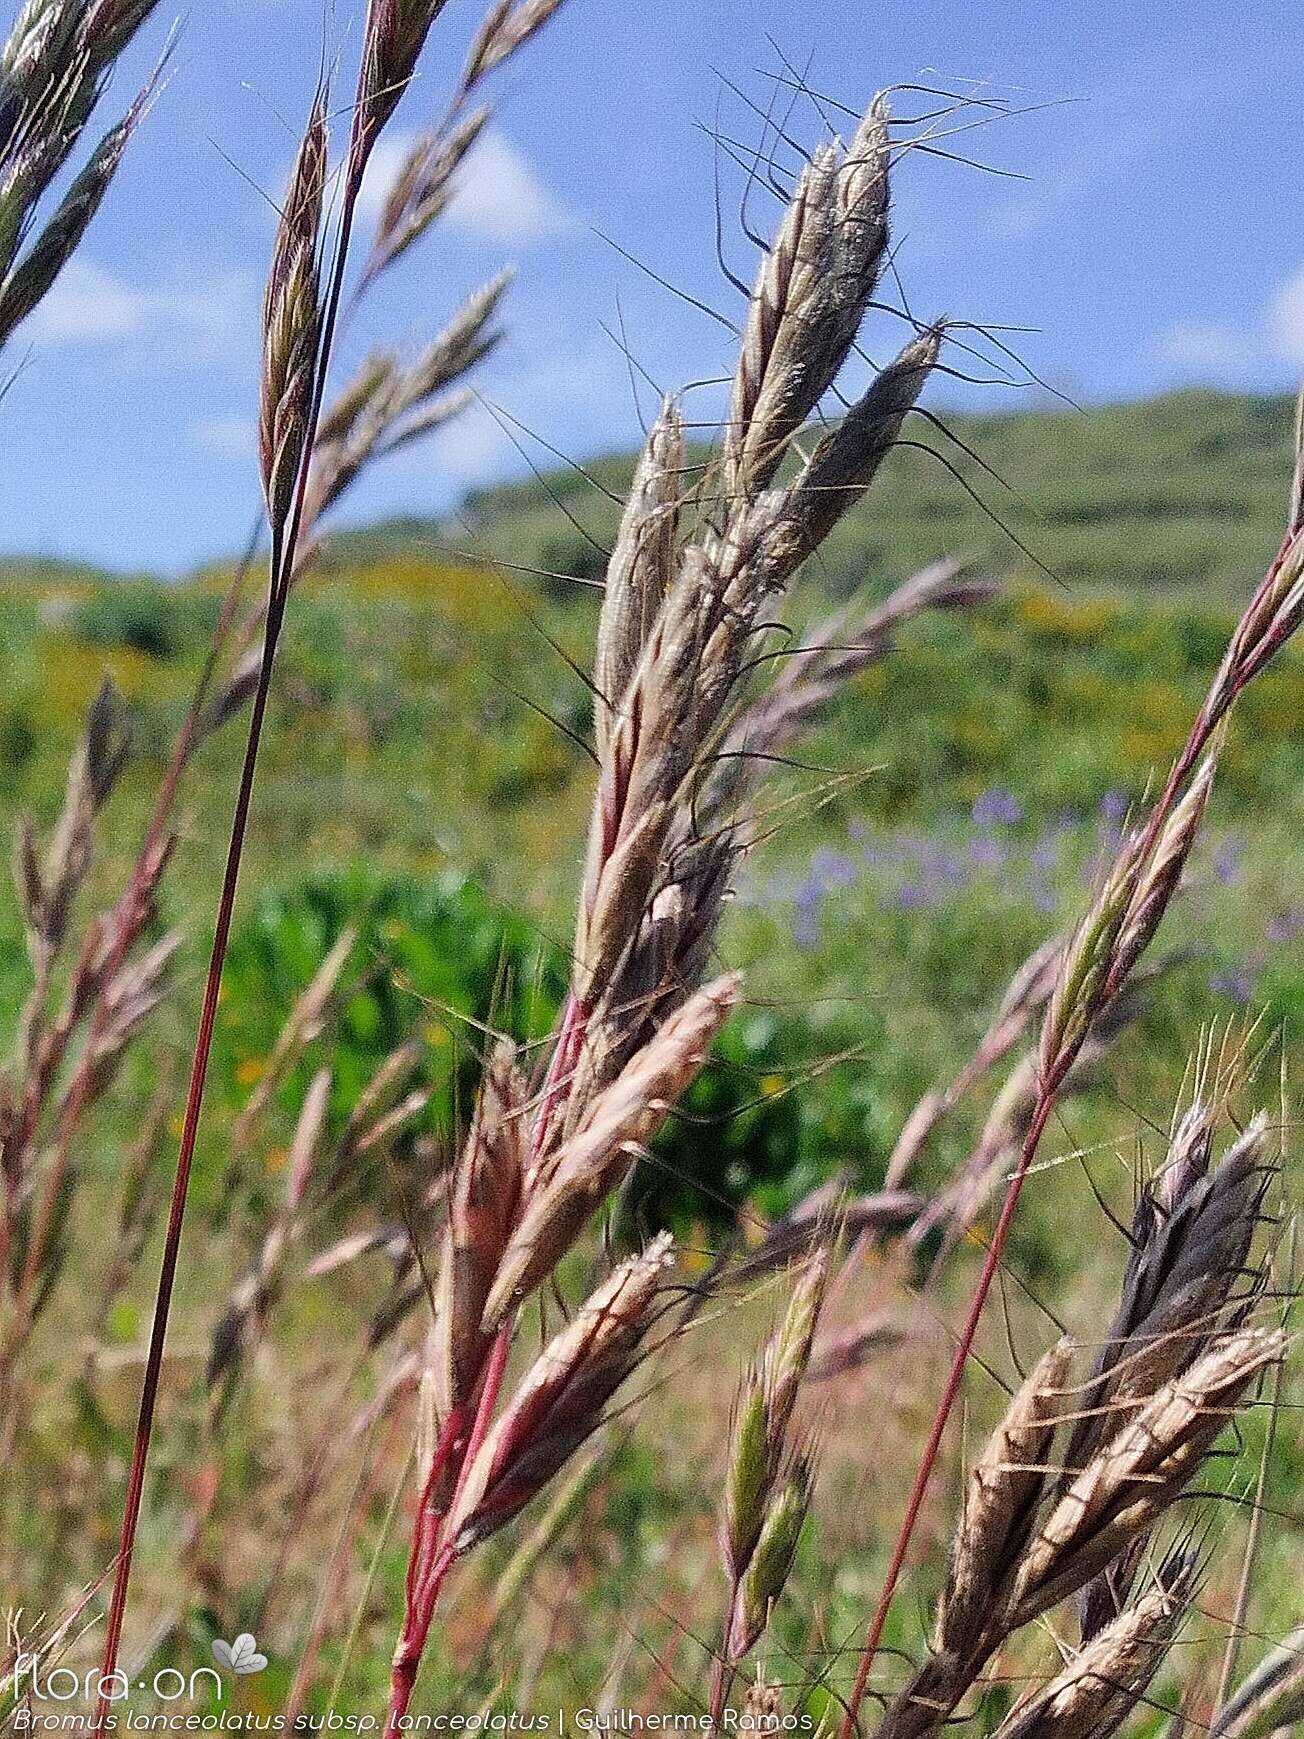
1272,338
387,158
500,199
499,196
231,437
1286,319
1206,348
90,304
87,302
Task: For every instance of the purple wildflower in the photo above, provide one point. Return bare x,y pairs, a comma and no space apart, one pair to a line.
1284,927
1227,858
914,896
834,869
987,851
997,808
1233,982
1046,852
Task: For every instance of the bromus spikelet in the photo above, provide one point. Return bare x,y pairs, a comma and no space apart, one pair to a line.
771,1473
1082,1467
565,1188
1098,963
1102,1684
507,26
292,316
481,1214
561,1400
393,36
683,606
54,67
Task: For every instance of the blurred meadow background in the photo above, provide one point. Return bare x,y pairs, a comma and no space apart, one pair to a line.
424,790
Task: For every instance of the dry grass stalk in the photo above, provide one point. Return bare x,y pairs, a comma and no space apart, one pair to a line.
683,604
1079,1471
301,1027
481,1215
299,325
1097,965
1024,996
71,1040
557,1406
1005,1129
292,316
561,1399
507,26
563,1191
244,1321
1082,1524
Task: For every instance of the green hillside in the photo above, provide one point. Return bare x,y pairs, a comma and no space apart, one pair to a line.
1178,494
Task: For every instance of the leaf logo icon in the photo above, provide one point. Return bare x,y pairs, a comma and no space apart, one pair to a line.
240,1656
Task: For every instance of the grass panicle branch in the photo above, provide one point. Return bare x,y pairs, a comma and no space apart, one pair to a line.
1095,967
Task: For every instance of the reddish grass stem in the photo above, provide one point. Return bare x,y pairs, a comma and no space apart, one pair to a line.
928,1460
284,546
432,1558
185,1158
1201,731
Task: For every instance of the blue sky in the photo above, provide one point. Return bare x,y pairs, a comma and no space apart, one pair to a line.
1156,239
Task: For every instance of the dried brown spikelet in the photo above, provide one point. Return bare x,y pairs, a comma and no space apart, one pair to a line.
1178,1290
562,1398
1135,1476
1103,1683
810,296
1001,1501
641,569
592,1160
464,341
291,325
1187,1160
387,405
1162,873
28,283
421,191
843,465
338,419
481,1212
48,888
844,645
